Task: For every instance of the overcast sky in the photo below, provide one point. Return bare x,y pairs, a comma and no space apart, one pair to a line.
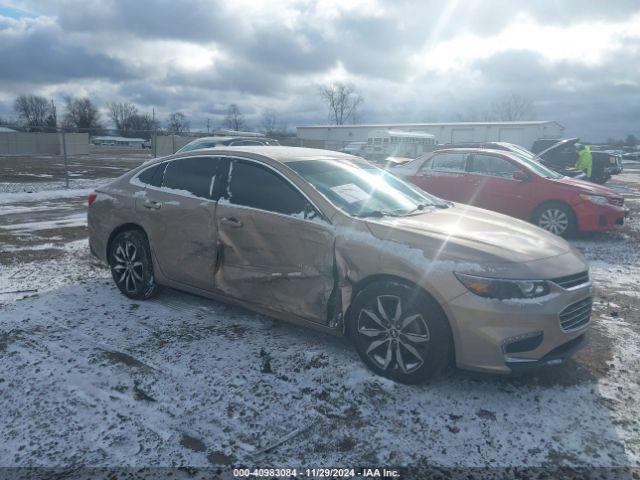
413,61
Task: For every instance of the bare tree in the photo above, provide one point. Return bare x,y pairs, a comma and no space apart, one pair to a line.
343,101
177,123
143,124
82,114
512,108
35,111
270,123
120,115
234,119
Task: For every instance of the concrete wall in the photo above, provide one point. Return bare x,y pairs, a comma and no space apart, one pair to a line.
521,133
169,144
77,143
23,143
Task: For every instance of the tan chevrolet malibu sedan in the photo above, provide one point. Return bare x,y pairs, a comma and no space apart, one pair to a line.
329,241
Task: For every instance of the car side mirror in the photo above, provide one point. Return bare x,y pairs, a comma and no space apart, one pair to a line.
521,176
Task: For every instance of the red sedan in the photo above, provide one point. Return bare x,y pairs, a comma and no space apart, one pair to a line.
507,183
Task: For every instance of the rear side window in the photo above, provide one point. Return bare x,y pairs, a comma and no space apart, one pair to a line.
153,175
492,166
449,162
192,175
258,187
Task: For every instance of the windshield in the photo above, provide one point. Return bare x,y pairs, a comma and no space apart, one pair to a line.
532,161
362,189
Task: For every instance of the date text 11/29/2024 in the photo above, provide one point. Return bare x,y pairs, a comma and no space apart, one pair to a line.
362,473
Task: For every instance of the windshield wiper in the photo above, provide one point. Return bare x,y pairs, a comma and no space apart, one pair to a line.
419,208
376,214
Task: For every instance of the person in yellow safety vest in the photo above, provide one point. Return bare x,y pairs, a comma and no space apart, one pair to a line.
585,161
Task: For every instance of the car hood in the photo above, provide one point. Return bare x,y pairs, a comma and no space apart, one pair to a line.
462,232
587,187
555,146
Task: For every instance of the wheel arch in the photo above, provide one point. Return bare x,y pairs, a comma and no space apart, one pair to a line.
123,228
554,201
363,283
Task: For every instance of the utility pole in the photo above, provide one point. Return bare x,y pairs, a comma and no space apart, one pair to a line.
66,162
208,126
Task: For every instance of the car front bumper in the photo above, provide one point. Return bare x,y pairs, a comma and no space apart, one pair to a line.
505,336
599,218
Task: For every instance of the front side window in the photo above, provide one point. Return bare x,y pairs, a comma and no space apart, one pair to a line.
362,189
255,186
194,176
492,166
449,162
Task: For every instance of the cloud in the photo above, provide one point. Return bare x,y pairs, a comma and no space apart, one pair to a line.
412,60
36,51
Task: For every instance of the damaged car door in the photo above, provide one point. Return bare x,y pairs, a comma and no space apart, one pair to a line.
276,248
178,214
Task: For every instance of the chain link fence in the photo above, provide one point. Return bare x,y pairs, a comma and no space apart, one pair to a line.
98,148
111,152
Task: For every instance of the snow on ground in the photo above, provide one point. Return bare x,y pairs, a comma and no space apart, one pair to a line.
91,378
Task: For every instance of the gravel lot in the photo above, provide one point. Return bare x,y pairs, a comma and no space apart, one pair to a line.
90,378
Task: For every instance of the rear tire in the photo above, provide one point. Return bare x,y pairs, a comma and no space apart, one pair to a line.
131,265
399,332
557,218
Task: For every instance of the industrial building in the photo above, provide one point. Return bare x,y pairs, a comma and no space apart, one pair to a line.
335,137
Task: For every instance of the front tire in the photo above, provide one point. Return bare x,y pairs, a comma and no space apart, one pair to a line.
601,180
556,218
131,265
399,332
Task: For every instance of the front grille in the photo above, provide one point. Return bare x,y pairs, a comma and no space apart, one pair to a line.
571,281
619,201
576,315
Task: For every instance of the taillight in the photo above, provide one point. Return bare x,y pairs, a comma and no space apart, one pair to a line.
92,197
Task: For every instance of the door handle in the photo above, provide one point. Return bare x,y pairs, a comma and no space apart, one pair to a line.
231,222
152,205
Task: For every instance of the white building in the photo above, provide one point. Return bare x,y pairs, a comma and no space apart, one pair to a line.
335,137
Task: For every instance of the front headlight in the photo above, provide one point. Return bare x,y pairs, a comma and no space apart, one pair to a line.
597,199
503,289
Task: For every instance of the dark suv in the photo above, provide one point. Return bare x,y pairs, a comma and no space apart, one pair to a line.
558,154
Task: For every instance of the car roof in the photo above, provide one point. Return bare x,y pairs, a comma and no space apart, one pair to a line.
508,153
280,154
227,139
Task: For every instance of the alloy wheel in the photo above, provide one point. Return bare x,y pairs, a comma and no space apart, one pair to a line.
554,220
128,267
394,341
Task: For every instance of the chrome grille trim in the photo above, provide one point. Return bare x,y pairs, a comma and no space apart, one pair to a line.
576,315
571,281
